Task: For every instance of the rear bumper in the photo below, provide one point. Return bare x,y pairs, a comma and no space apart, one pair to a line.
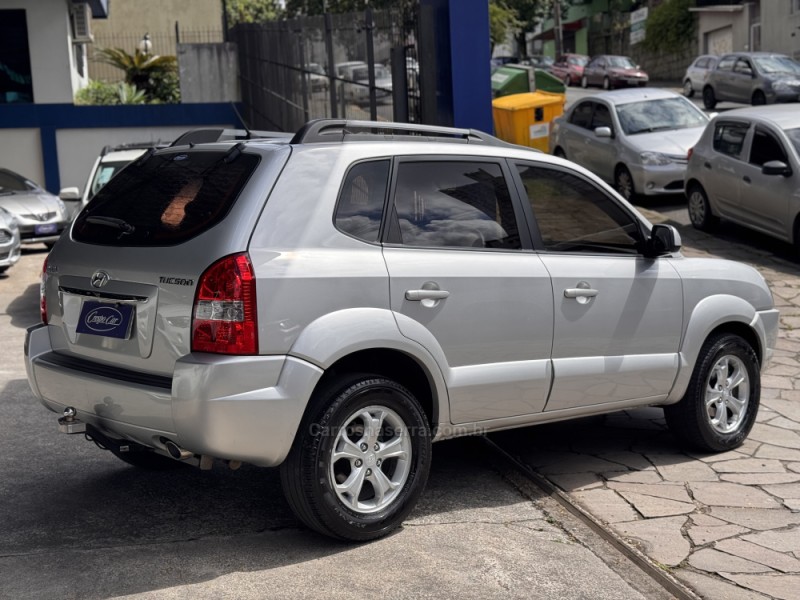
236,408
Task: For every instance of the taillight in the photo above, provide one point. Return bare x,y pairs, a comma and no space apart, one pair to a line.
689,153
43,293
224,312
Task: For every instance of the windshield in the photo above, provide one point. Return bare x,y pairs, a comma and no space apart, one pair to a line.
578,61
794,137
104,172
11,182
315,68
662,114
777,64
620,62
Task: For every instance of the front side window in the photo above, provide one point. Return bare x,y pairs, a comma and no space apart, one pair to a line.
582,115
743,67
726,64
453,204
575,216
766,148
729,138
360,208
601,117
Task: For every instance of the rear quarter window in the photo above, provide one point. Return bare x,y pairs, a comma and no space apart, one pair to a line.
166,199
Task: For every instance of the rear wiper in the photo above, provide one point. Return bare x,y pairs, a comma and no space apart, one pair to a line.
123,226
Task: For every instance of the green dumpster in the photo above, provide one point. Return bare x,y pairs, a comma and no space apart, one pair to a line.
512,79
547,82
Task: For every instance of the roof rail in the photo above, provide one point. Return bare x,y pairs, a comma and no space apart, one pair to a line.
340,130
207,135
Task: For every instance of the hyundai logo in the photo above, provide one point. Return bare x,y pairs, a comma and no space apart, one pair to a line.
99,279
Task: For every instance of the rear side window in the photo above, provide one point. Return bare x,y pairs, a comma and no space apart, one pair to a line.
360,208
166,200
729,138
453,204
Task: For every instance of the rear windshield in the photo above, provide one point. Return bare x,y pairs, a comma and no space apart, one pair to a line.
165,200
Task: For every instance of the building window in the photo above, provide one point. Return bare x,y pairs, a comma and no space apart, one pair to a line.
16,84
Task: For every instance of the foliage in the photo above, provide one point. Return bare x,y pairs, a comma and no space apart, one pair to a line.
102,93
155,75
252,11
670,26
502,22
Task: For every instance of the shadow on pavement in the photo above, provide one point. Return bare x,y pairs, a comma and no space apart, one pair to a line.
24,309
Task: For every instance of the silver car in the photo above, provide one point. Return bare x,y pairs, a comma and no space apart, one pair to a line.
9,240
41,216
335,303
746,168
752,78
636,139
697,74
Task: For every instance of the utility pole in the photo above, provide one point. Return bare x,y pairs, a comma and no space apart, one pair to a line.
559,34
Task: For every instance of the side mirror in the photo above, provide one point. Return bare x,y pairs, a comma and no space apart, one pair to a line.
664,239
603,132
776,167
70,193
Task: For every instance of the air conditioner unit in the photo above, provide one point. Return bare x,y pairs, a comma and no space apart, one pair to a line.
81,18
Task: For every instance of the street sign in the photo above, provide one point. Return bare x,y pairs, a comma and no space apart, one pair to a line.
638,25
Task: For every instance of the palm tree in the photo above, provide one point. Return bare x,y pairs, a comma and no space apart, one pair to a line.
142,70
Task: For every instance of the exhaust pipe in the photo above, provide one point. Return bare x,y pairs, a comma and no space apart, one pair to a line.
176,451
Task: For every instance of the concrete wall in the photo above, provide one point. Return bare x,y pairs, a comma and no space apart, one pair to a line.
158,16
780,28
209,72
50,46
21,151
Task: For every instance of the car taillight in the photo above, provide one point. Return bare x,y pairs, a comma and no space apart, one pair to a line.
689,153
43,293
224,312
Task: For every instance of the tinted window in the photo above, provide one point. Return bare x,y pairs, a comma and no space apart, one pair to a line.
167,199
575,216
105,171
766,148
582,115
601,117
701,63
453,204
743,67
360,208
729,138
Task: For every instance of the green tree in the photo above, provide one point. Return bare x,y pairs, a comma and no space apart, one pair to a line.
155,75
529,14
503,22
252,11
670,26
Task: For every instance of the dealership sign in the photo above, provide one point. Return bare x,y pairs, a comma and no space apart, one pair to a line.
638,25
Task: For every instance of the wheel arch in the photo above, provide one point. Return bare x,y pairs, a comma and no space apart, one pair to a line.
714,315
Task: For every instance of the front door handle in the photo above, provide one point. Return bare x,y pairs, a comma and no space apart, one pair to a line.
746,179
583,293
417,295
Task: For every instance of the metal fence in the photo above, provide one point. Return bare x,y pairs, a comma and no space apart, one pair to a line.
162,43
354,65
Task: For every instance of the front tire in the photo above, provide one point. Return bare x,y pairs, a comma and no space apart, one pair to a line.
567,81
758,99
720,405
584,82
688,90
360,460
607,83
623,182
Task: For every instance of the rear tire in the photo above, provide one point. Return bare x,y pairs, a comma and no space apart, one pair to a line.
758,99
720,405
709,98
360,459
699,208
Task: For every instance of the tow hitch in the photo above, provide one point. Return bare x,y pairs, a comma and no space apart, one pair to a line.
69,424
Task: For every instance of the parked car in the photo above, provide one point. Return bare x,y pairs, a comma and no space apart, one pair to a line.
9,240
746,168
697,74
112,160
40,215
609,72
569,68
752,78
335,303
499,61
359,92
539,61
317,78
638,140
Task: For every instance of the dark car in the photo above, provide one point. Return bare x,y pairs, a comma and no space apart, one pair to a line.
569,68
609,72
752,78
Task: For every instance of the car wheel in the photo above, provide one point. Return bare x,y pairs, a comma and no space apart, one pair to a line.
688,90
607,83
584,82
721,402
709,99
699,209
360,460
758,98
559,152
3,269
623,181
567,81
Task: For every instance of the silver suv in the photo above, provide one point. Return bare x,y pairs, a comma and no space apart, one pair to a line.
335,302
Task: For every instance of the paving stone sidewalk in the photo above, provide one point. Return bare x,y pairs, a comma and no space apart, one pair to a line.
726,525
